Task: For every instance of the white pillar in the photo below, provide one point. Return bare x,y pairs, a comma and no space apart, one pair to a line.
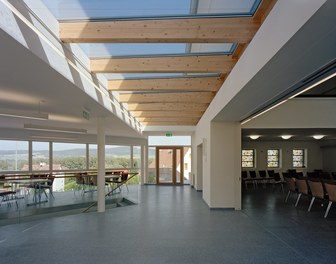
101,166
144,164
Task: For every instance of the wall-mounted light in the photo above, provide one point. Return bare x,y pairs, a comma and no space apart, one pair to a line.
254,137
55,129
286,136
318,136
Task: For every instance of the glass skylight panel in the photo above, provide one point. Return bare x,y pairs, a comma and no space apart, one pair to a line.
100,50
208,48
95,9
121,76
241,7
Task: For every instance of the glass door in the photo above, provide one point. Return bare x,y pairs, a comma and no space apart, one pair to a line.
169,165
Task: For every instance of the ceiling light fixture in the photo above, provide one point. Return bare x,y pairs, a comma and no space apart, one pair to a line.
55,129
254,137
53,138
318,136
38,116
286,136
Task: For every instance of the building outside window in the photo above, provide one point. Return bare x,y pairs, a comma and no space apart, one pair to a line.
248,158
298,158
273,158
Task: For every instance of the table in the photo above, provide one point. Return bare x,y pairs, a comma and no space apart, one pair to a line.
37,183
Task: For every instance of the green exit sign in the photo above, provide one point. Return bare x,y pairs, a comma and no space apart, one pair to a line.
86,114
169,134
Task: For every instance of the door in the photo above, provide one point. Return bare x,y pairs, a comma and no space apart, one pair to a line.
169,165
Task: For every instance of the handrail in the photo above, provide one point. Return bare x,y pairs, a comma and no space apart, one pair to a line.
115,188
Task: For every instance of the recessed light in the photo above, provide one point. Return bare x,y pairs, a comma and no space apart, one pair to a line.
254,137
286,136
318,136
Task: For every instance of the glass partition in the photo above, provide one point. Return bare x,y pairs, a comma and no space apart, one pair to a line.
14,155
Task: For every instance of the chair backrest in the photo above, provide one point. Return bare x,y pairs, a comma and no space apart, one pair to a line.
51,179
277,177
334,175
290,181
270,173
262,174
312,175
330,187
253,174
124,176
316,187
325,176
244,174
302,185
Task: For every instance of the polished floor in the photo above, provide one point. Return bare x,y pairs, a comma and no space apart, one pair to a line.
174,225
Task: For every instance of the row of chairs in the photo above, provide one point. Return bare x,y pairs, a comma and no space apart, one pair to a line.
265,176
314,187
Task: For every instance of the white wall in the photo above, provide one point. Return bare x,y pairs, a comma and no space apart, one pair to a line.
314,153
329,158
225,165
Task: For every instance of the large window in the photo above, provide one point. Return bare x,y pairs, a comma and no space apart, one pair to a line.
93,158
117,157
298,158
151,177
40,156
67,156
14,155
248,158
273,158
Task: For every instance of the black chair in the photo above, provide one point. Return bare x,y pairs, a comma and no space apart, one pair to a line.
244,178
253,176
48,185
262,175
278,181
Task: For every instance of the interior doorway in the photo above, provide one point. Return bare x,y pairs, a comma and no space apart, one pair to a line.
169,165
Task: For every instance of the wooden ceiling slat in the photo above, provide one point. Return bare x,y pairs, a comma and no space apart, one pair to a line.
167,106
190,84
186,97
181,30
174,64
166,113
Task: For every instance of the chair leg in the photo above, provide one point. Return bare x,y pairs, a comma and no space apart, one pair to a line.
311,203
328,208
287,196
298,199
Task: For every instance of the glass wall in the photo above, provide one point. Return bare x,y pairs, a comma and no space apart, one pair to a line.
40,158
151,177
67,156
117,157
14,155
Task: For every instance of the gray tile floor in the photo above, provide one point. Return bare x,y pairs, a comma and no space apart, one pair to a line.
174,225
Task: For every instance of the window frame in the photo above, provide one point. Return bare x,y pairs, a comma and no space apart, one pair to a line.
277,158
303,158
253,158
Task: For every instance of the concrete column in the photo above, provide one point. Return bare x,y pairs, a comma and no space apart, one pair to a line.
101,165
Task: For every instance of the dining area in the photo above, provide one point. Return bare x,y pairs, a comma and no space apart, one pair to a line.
32,194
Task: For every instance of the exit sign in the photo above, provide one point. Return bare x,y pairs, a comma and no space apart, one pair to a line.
86,114
169,134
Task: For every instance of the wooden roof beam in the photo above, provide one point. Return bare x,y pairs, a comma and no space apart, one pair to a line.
189,84
174,64
182,107
177,30
163,113
184,97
